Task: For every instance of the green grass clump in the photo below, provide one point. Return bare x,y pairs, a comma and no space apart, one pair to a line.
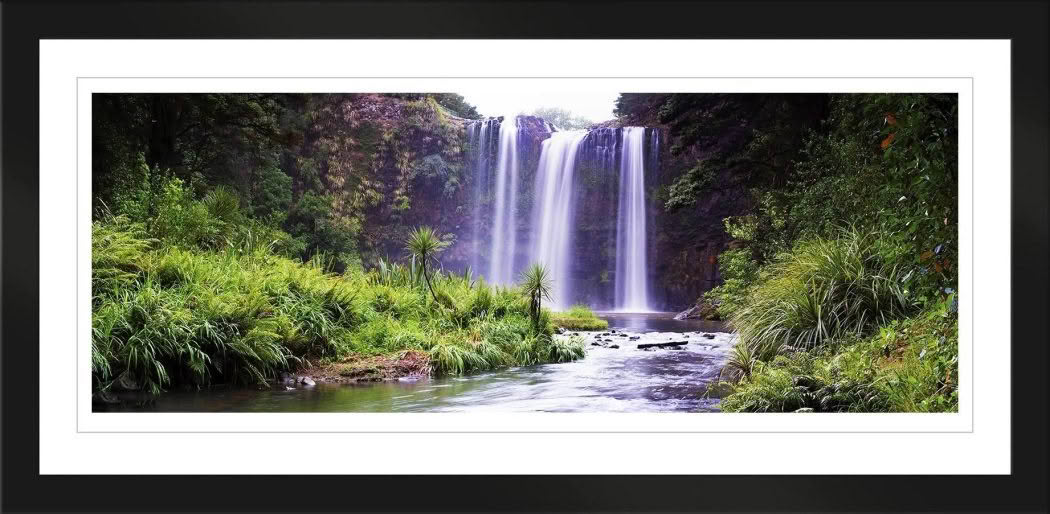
564,350
907,366
823,291
831,327
166,316
579,317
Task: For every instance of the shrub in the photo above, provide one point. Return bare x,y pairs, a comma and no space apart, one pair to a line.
822,291
907,366
563,350
182,221
738,273
164,315
537,284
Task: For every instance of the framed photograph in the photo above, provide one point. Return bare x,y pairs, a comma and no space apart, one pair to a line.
532,256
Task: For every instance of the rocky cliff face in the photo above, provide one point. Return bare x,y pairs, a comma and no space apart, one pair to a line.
391,164
683,245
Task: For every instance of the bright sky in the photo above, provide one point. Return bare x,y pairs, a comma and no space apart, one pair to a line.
596,106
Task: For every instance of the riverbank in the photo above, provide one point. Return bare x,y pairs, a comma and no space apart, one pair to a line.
613,376
837,326
909,365
167,315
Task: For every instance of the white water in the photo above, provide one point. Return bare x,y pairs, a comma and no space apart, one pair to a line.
553,211
632,288
551,225
504,228
479,135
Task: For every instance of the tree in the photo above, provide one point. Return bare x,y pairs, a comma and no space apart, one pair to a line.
222,137
563,118
457,104
424,244
537,285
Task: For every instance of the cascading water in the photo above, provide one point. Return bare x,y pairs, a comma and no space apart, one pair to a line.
479,136
632,288
504,229
553,211
601,172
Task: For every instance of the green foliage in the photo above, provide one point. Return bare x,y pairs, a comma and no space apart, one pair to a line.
805,382
563,118
424,244
885,163
118,247
271,195
335,172
823,291
131,189
537,284
579,317
743,360
564,349
181,220
739,271
907,366
395,274
223,205
457,104
691,185
316,229
166,316
725,142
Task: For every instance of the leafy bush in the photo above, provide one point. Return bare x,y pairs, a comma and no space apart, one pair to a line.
738,272
180,220
563,350
824,290
165,316
908,366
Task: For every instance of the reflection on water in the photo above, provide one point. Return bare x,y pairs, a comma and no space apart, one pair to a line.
606,380
659,322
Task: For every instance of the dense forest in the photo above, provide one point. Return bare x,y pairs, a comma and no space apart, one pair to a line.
237,237
839,272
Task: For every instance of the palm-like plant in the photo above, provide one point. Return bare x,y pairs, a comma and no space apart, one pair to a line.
424,244
537,285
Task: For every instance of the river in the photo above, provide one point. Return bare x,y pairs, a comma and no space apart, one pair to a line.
624,379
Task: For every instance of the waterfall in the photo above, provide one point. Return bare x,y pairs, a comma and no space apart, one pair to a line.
504,229
478,134
553,211
632,288
588,208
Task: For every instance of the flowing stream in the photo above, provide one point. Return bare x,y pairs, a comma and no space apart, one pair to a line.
624,379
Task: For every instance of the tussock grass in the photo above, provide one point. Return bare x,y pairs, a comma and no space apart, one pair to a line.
907,366
821,292
165,316
831,327
579,317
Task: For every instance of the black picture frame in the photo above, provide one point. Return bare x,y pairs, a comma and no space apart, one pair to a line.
24,23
